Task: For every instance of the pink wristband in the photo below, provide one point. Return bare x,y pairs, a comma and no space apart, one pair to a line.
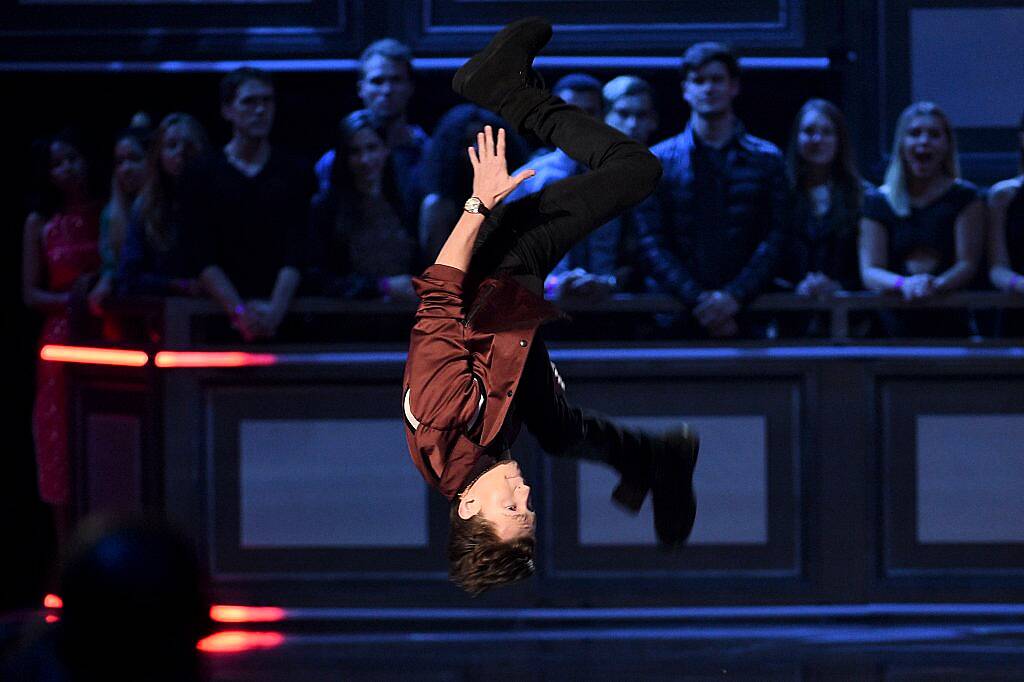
551,286
898,284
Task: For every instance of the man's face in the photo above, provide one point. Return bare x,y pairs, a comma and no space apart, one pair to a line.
589,102
385,87
710,90
502,497
633,115
251,112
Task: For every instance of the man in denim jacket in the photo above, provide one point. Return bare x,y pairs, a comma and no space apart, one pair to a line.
714,231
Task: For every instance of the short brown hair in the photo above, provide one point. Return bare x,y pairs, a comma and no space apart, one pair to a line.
479,560
233,80
702,54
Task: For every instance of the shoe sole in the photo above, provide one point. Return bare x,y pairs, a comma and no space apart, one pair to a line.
461,81
678,538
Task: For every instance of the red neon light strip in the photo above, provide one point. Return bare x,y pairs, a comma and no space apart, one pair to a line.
172,359
94,356
234,641
246,614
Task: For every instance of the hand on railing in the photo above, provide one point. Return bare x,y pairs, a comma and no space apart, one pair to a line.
817,285
918,287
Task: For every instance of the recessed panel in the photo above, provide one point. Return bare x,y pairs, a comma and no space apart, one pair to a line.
979,91
970,478
329,483
113,464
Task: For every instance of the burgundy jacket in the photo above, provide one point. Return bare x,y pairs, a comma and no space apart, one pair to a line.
466,356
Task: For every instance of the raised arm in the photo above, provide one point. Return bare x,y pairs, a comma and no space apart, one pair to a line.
491,184
443,393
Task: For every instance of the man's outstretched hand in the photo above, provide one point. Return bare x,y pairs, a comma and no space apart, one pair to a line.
491,181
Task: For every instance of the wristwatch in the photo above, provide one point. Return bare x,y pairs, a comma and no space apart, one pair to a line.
474,205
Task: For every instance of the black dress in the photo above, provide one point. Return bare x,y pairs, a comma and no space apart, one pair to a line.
931,227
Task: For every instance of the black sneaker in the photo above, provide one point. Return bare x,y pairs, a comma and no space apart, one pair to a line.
675,505
505,65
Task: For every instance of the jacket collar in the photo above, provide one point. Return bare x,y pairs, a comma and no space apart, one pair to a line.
740,139
502,304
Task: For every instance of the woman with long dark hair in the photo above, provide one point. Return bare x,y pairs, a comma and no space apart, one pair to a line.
922,231
153,261
130,170
60,248
364,238
827,193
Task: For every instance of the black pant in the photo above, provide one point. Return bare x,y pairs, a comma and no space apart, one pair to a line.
564,430
528,237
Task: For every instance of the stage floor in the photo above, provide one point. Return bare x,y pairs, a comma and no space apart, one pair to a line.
807,651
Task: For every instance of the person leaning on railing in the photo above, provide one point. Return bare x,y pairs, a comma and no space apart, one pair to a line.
827,196
922,231
153,259
364,234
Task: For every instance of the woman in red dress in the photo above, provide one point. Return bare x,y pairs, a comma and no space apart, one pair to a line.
60,246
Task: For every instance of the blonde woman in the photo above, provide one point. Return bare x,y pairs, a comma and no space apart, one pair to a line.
921,233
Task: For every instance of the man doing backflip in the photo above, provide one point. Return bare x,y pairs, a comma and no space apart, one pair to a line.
477,370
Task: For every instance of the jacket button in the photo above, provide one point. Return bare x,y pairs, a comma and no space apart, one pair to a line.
522,343
509,394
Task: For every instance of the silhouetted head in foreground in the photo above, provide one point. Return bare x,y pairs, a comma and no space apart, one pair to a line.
134,603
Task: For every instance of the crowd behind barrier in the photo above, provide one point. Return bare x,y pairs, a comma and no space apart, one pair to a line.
739,241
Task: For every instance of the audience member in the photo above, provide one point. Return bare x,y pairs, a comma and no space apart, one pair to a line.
247,212
827,194
59,253
1006,239
153,260
365,240
130,170
922,231
448,175
629,107
714,231
385,87
606,261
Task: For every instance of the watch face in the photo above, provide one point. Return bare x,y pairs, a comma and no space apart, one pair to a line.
473,205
